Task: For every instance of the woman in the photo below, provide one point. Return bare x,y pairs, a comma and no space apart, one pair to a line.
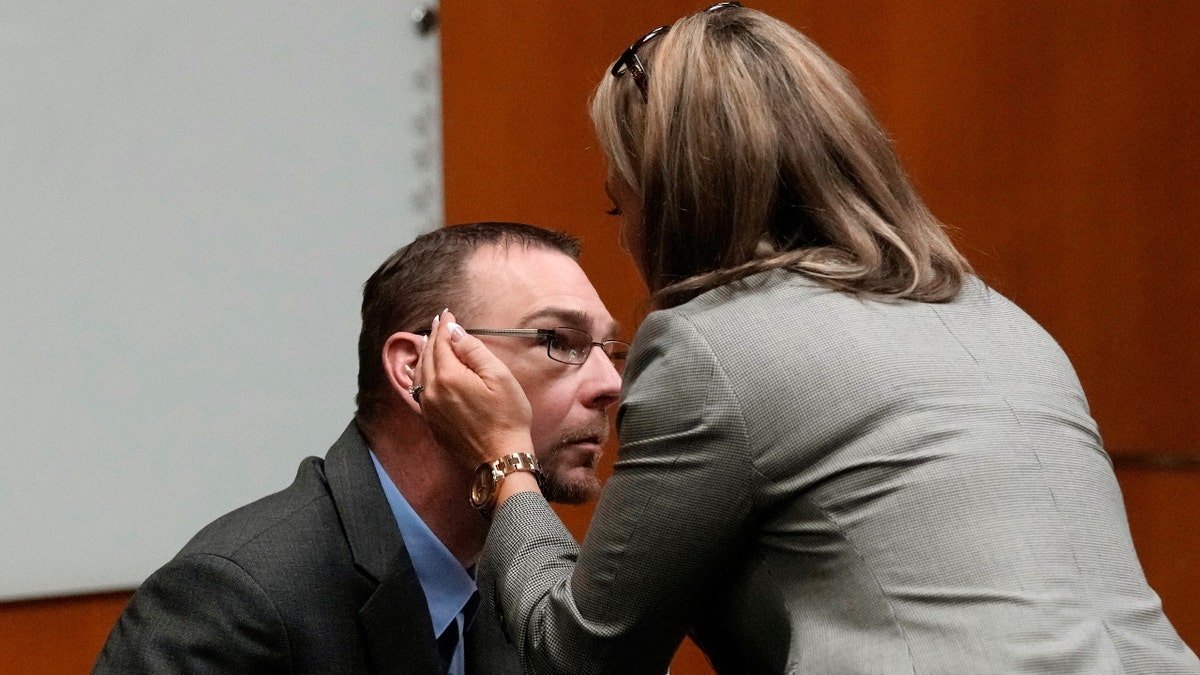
840,452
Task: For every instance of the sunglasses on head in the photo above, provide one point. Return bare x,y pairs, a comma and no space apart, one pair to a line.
629,63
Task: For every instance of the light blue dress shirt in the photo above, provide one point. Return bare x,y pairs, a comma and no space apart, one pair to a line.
448,587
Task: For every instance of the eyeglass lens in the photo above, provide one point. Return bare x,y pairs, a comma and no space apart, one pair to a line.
573,346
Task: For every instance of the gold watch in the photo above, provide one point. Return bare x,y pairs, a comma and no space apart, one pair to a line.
488,476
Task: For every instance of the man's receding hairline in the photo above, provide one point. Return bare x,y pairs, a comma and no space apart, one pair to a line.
503,244
570,317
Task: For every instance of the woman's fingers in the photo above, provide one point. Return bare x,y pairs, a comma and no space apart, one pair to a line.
471,402
424,372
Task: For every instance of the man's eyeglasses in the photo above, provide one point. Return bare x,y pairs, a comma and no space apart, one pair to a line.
630,63
565,345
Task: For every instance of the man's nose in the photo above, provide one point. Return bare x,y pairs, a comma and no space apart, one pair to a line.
604,379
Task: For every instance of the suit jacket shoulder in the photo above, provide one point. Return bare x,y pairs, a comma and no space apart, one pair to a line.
314,578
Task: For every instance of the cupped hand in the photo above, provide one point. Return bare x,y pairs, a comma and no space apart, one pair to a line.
471,401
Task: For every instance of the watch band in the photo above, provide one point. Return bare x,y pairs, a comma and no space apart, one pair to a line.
489,475
517,461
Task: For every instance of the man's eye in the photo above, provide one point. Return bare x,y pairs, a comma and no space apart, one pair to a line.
556,341
571,346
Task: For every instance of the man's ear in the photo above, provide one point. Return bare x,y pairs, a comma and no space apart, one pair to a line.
400,354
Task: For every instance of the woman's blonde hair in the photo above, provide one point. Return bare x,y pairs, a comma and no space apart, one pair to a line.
753,150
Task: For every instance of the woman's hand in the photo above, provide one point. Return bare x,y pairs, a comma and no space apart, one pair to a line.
471,401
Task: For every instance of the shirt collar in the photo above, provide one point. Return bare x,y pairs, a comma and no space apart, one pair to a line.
448,587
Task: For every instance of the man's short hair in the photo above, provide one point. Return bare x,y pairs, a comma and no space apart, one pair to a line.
421,279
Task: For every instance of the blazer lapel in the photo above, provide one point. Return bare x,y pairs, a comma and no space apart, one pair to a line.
487,647
395,619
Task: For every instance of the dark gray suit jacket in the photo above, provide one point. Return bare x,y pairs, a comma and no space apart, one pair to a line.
312,579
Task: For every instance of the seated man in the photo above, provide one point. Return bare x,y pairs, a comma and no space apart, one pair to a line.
364,564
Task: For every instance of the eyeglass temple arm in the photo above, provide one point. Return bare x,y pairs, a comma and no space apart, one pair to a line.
517,332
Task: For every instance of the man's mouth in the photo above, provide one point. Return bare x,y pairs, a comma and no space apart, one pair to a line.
583,440
596,441
591,445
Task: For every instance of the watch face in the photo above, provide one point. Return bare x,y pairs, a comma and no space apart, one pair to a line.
482,486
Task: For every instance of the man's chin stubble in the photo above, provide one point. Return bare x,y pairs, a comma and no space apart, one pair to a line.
571,492
560,488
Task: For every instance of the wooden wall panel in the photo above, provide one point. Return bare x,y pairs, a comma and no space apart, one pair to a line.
1163,505
56,635
1059,139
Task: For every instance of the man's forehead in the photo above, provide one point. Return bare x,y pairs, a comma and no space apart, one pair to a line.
524,286
499,269
570,317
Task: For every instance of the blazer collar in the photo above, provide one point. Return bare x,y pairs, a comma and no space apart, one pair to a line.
395,619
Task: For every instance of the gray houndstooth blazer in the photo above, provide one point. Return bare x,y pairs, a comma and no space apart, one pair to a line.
313,579
815,483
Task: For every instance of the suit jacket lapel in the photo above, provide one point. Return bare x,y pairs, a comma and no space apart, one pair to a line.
395,619
487,648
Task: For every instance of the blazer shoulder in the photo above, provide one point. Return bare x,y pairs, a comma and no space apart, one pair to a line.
185,608
234,530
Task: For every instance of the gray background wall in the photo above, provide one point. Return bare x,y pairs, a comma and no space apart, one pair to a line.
191,196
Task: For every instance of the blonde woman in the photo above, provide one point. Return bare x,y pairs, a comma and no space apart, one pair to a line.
840,452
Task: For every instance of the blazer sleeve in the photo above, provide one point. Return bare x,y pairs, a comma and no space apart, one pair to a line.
198,614
663,532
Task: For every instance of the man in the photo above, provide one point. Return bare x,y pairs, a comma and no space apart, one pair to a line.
364,563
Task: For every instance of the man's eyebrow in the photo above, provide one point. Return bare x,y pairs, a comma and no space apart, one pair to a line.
568,318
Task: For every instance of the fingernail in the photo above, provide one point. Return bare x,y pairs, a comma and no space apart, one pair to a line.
424,340
456,331
408,369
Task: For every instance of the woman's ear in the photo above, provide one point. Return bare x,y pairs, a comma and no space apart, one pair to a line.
400,354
